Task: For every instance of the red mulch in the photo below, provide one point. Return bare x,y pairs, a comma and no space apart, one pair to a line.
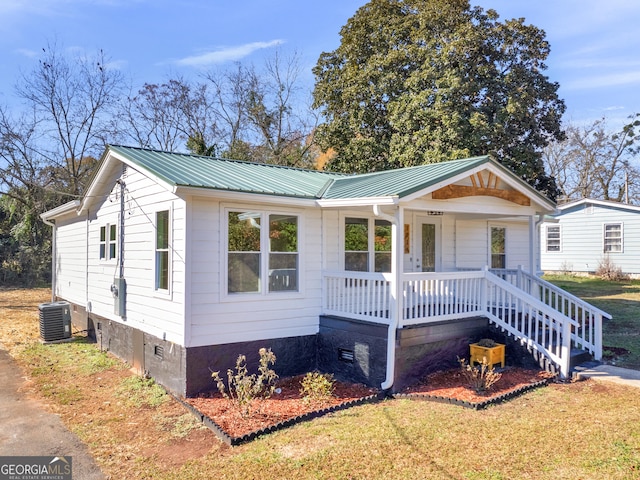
280,407
452,384
289,403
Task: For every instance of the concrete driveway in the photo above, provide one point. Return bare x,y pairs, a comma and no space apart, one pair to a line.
27,429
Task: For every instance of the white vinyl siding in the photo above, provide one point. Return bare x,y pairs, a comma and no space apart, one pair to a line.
71,259
585,239
218,318
152,311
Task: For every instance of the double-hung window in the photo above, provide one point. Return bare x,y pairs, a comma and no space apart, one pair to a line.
108,242
613,238
367,245
262,252
553,238
498,247
162,242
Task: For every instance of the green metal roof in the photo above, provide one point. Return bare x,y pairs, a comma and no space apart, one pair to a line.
400,182
179,169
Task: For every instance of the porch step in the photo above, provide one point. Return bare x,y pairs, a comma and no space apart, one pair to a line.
579,357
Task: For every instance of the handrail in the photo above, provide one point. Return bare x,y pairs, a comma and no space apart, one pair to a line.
564,293
588,334
538,325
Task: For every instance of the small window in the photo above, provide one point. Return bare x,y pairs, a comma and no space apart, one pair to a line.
103,243
108,242
162,250
366,243
498,247
613,238
244,257
283,253
553,238
112,242
356,244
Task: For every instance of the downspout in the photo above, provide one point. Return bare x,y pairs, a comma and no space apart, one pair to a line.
52,224
534,251
396,234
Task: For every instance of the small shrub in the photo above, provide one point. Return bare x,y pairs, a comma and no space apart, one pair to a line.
317,387
607,270
244,388
487,343
480,378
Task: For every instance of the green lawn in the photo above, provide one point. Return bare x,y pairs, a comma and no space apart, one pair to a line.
584,430
622,301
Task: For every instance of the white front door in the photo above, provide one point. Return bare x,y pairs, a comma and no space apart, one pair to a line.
422,252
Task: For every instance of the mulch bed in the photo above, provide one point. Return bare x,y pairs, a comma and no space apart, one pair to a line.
287,407
451,386
283,409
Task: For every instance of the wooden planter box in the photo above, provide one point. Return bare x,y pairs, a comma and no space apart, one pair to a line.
492,354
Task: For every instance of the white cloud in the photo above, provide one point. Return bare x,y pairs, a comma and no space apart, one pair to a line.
25,52
603,81
227,54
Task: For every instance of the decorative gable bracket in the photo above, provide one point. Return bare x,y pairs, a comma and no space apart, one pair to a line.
481,187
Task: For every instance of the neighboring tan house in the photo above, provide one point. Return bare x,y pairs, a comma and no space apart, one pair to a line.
178,263
588,233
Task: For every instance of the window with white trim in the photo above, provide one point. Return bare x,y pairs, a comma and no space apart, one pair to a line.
498,247
613,238
262,260
553,238
108,242
367,242
162,242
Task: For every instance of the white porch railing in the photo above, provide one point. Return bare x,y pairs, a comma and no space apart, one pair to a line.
587,334
441,296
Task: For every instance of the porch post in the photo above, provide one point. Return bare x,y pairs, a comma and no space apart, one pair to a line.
395,287
533,245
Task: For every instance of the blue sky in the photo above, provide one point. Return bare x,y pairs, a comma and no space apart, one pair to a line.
595,44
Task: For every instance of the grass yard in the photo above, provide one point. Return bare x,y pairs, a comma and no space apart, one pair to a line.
622,301
585,430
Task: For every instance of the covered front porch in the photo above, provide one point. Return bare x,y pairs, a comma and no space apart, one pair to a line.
459,243
546,320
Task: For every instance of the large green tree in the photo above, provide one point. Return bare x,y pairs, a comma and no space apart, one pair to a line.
423,81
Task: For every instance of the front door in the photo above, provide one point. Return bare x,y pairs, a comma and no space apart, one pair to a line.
423,254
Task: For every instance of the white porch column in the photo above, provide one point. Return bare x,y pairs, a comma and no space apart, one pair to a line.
533,246
395,310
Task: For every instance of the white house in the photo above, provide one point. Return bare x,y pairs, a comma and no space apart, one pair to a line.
587,232
178,263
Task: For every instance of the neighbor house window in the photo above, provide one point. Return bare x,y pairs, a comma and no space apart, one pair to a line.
612,238
108,242
498,247
367,243
246,243
162,250
553,238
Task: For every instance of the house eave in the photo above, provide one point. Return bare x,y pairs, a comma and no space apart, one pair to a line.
228,195
61,210
358,202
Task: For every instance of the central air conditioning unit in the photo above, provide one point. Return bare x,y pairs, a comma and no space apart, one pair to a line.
55,321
